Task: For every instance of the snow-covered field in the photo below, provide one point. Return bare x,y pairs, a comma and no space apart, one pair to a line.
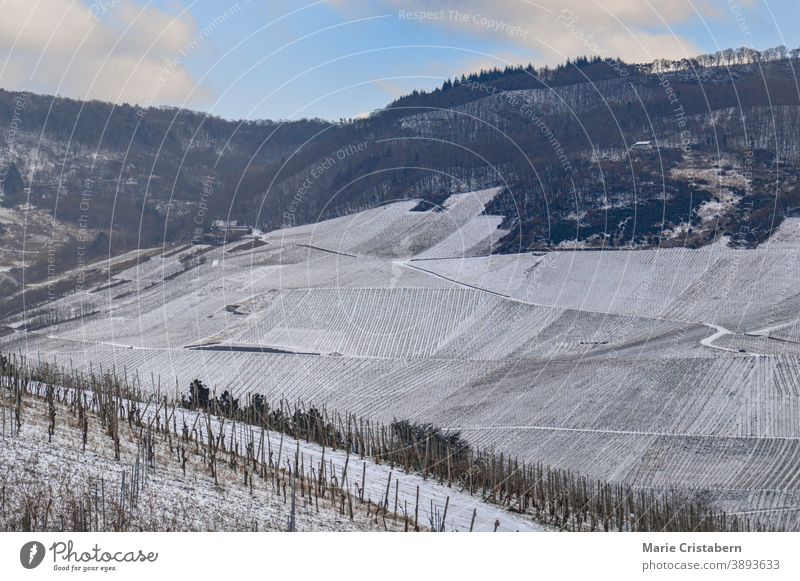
174,500
664,368
169,499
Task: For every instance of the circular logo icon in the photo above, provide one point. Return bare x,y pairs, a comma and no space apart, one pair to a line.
31,554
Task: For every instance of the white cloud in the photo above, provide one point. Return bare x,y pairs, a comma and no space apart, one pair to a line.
392,89
112,50
552,30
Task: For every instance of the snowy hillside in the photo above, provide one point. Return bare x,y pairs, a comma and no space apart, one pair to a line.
660,368
161,479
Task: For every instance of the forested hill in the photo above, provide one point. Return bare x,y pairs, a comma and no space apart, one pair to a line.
724,133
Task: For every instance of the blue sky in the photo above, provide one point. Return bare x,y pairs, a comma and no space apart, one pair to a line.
289,59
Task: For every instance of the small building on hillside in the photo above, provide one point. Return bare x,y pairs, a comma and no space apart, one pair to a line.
220,232
642,146
230,227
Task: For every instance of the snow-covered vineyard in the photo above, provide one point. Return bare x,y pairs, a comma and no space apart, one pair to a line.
167,490
658,368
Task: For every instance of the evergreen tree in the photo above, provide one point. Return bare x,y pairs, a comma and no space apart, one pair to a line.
13,187
227,404
198,397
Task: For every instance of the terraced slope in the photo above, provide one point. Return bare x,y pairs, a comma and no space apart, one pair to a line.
662,368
